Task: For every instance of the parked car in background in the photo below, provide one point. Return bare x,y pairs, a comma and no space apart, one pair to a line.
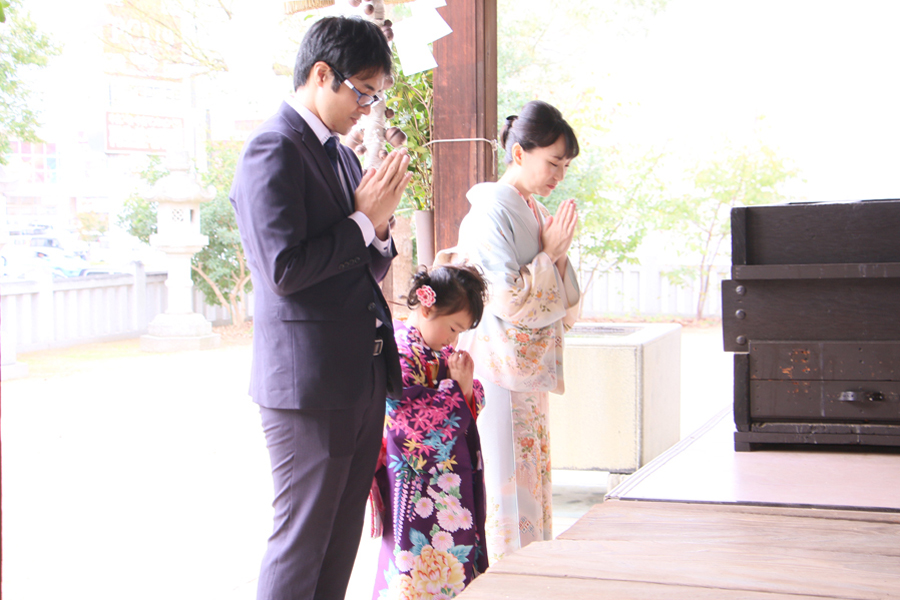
102,270
58,261
57,253
43,241
20,261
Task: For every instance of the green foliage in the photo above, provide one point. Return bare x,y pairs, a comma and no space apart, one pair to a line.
92,225
412,100
618,195
540,49
744,176
22,47
220,268
680,276
171,32
617,189
138,216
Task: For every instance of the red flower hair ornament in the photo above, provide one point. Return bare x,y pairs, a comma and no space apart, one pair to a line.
426,296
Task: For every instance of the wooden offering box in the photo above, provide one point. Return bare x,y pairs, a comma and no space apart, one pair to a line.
812,313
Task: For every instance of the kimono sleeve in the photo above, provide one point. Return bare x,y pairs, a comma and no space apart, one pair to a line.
572,294
476,402
425,423
531,295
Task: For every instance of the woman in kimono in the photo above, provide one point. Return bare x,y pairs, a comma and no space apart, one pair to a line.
430,475
518,346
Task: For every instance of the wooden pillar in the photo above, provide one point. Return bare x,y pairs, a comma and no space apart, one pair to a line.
465,106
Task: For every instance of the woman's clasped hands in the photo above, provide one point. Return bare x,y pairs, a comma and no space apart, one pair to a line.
559,230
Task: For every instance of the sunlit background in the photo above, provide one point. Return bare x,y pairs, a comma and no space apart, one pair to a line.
815,81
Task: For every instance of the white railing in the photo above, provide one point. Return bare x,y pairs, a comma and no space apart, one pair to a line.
47,313
645,291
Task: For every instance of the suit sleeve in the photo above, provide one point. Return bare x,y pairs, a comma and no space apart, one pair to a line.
380,262
271,202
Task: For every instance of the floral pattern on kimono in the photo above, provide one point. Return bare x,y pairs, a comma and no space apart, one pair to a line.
518,353
433,542
519,343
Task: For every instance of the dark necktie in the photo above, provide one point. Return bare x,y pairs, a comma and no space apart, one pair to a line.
331,149
332,152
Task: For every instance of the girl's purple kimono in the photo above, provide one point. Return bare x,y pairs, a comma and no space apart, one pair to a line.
432,482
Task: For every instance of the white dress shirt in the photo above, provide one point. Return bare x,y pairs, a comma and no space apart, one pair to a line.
323,133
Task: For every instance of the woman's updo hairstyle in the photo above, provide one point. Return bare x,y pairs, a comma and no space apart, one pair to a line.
456,288
538,125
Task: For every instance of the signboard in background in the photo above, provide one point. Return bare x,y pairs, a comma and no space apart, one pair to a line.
128,132
146,94
231,124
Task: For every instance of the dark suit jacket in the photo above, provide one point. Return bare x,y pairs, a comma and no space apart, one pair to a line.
314,279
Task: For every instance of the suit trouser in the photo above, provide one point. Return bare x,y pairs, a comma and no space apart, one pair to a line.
323,462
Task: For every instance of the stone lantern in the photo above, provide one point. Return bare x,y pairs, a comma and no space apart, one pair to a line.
179,196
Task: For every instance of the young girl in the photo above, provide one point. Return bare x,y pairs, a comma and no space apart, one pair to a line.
430,476
518,346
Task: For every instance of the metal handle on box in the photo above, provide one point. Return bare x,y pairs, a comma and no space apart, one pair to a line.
859,396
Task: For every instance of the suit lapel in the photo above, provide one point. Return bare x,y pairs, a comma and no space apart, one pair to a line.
317,151
346,169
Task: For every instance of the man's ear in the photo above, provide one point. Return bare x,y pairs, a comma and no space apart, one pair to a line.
320,73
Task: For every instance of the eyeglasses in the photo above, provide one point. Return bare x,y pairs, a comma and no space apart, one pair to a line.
361,99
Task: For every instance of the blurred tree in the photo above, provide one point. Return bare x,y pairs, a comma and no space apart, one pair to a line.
619,193
541,50
151,34
22,47
92,225
220,269
138,216
618,188
745,176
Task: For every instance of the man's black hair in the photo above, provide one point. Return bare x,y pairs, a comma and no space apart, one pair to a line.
351,45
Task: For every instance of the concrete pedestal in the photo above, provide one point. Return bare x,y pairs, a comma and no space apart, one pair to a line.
622,403
10,368
173,332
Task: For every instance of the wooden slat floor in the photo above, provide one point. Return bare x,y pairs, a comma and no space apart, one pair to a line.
702,522
654,550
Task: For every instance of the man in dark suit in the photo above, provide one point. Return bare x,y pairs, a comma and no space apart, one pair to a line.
317,238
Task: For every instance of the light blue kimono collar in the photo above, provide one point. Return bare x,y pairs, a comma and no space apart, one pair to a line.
501,193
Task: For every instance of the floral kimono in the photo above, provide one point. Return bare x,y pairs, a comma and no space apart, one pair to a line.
431,480
518,354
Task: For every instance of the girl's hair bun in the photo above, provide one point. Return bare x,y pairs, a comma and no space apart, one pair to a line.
421,276
455,288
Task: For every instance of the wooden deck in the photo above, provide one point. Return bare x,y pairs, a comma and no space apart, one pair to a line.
702,522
